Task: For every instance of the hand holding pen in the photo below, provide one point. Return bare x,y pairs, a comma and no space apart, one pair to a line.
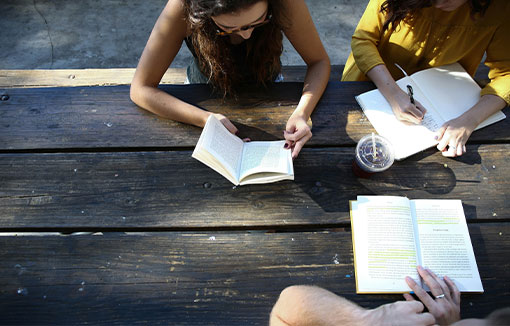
403,101
406,108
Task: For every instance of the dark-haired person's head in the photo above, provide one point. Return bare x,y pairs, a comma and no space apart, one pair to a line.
216,24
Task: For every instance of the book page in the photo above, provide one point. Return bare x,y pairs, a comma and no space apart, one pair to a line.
385,248
407,139
445,243
452,91
219,149
264,156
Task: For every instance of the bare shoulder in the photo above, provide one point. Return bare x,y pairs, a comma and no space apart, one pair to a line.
298,15
173,19
302,33
296,9
164,43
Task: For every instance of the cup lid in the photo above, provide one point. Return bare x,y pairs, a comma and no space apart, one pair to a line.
379,160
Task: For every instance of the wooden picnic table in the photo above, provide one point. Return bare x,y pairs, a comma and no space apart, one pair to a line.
106,219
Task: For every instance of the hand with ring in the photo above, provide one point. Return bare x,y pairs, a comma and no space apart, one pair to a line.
444,304
453,135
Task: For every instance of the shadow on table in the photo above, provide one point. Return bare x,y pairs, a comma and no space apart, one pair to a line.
332,187
255,133
247,95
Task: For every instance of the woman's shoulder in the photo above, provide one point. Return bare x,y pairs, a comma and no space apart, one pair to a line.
174,15
175,9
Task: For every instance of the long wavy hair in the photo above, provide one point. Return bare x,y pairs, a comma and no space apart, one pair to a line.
405,10
263,48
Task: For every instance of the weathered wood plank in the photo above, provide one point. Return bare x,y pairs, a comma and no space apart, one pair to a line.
104,117
118,76
80,77
297,73
124,76
198,278
171,189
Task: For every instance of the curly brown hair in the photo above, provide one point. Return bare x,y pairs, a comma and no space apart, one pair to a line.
404,10
214,53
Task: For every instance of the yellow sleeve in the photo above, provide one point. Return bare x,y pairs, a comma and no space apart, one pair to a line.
366,37
498,60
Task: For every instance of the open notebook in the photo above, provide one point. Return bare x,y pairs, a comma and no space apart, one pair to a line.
446,92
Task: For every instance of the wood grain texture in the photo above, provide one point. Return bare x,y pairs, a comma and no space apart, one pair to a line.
87,159
173,190
80,77
198,278
118,76
104,117
124,76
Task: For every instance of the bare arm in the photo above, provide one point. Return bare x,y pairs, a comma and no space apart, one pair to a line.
403,109
308,305
454,134
313,306
163,45
305,39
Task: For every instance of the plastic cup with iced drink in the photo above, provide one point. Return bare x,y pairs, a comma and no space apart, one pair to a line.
373,154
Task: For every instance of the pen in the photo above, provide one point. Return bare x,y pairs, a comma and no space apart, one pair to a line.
410,92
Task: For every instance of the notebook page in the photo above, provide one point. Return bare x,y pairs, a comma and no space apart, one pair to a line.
450,89
407,139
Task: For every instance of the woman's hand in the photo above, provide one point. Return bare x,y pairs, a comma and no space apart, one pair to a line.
229,125
444,304
406,111
454,135
296,134
400,101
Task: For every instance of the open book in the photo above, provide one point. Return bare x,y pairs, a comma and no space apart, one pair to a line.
392,235
242,163
446,92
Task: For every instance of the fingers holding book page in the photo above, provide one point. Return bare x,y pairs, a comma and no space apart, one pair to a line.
444,304
230,126
227,123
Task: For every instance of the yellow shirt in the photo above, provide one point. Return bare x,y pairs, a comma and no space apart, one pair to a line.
434,39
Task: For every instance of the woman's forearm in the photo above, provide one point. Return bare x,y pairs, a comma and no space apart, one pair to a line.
386,84
167,106
403,107
316,80
486,106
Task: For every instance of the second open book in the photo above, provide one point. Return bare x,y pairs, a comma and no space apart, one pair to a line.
446,92
240,162
392,235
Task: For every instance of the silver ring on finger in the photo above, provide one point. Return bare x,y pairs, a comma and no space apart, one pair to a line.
440,296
